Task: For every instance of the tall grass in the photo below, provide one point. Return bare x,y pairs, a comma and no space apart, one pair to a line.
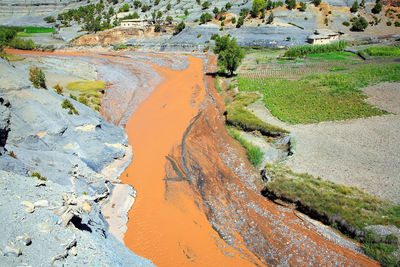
254,153
383,51
322,97
301,51
356,207
38,29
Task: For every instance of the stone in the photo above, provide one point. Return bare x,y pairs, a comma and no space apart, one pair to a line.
25,239
86,207
29,206
41,203
73,251
12,250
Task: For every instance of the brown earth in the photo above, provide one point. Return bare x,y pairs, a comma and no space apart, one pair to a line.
198,200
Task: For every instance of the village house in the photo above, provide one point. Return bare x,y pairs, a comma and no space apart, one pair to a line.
134,23
323,36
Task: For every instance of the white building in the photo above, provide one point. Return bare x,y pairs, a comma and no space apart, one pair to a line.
323,36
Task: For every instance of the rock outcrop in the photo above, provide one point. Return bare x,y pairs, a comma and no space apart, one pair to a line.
59,207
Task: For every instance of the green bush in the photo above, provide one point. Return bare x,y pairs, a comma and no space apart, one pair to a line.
359,24
354,7
157,28
24,44
377,8
316,2
38,176
206,5
301,51
37,77
389,23
59,89
346,23
49,19
397,24
66,104
179,27
233,20
303,7
205,17
291,4
124,8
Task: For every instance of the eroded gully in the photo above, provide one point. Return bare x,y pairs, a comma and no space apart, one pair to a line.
198,201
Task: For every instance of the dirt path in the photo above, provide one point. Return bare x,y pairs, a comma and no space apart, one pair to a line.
197,202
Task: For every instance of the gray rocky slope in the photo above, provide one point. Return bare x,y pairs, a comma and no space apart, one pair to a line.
57,221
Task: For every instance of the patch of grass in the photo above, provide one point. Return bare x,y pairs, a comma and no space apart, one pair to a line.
322,97
23,34
239,116
216,84
254,153
383,51
90,92
38,176
356,207
11,57
301,51
66,104
120,46
338,55
338,69
38,29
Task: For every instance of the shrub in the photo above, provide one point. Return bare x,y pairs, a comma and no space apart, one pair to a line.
240,22
18,43
206,5
38,176
316,2
291,4
179,27
389,23
303,7
377,8
137,4
258,5
37,77
49,19
66,104
169,19
228,6
84,100
397,24
354,7
359,24
124,8
12,154
233,20
59,89
346,23
270,18
205,17
157,28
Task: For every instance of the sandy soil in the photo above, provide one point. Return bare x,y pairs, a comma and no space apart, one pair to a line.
362,152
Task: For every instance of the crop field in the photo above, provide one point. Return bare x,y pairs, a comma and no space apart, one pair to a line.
89,92
317,97
38,29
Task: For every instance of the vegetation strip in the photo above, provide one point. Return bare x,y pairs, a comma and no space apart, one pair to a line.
346,208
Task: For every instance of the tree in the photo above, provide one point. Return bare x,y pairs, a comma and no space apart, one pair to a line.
168,6
49,19
377,8
206,5
233,20
291,4
258,5
124,8
157,28
240,22
179,27
359,24
354,7
316,2
230,55
228,6
205,17
137,4
215,11
169,19
37,77
270,18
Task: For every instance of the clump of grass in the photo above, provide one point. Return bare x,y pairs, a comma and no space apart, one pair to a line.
59,89
383,51
90,92
301,51
12,154
254,153
66,104
356,207
322,97
120,46
23,34
239,116
216,84
38,176
338,69
37,77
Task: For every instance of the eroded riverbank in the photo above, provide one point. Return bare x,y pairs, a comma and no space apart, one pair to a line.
198,201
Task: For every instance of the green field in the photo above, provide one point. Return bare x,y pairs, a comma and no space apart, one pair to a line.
332,55
322,97
383,51
38,29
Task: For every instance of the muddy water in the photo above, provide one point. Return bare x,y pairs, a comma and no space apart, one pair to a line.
173,231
